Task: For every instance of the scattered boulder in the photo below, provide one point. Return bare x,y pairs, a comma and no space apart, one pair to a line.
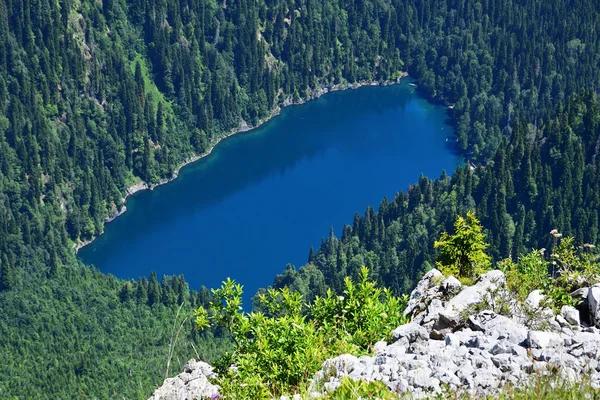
594,305
472,295
570,314
409,333
193,383
580,294
534,299
580,297
499,326
541,339
451,286
438,304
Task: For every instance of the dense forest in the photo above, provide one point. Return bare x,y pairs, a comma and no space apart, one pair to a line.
96,96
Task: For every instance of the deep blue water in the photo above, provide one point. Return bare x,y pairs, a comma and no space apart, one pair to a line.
262,198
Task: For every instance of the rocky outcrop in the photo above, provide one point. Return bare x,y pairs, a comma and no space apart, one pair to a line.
192,384
438,303
445,348
457,340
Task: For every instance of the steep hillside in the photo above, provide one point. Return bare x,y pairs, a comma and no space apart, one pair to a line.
541,178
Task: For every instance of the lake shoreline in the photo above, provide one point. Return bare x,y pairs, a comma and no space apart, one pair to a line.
243,128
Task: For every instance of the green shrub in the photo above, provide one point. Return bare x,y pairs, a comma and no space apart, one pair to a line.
569,268
278,351
530,273
362,316
351,389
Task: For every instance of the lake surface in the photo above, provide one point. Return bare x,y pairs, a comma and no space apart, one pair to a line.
262,198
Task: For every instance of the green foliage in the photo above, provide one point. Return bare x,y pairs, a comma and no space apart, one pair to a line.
351,389
528,274
277,353
77,337
569,269
572,268
362,315
463,253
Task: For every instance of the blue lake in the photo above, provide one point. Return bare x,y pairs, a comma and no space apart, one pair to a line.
262,198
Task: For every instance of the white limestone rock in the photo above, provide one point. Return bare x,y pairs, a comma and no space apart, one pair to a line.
570,314
193,383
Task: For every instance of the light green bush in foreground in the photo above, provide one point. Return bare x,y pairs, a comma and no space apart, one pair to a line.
277,352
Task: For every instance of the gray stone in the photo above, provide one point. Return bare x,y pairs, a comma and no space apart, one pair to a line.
570,314
191,384
501,347
488,322
472,295
563,322
486,380
495,277
452,340
466,334
486,343
379,346
594,305
539,366
410,332
503,362
430,279
430,317
580,294
421,377
541,339
447,322
534,299
519,351
449,379
451,286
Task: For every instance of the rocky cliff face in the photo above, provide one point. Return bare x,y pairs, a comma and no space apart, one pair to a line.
467,339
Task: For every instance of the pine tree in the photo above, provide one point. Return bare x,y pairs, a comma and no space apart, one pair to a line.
153,290
6,274
463,253
142,291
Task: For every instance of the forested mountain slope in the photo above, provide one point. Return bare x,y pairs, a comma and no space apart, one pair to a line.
98,95
540,179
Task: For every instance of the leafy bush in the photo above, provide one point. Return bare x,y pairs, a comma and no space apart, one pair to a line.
351,389
278,351
530,273
569,269
362,315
